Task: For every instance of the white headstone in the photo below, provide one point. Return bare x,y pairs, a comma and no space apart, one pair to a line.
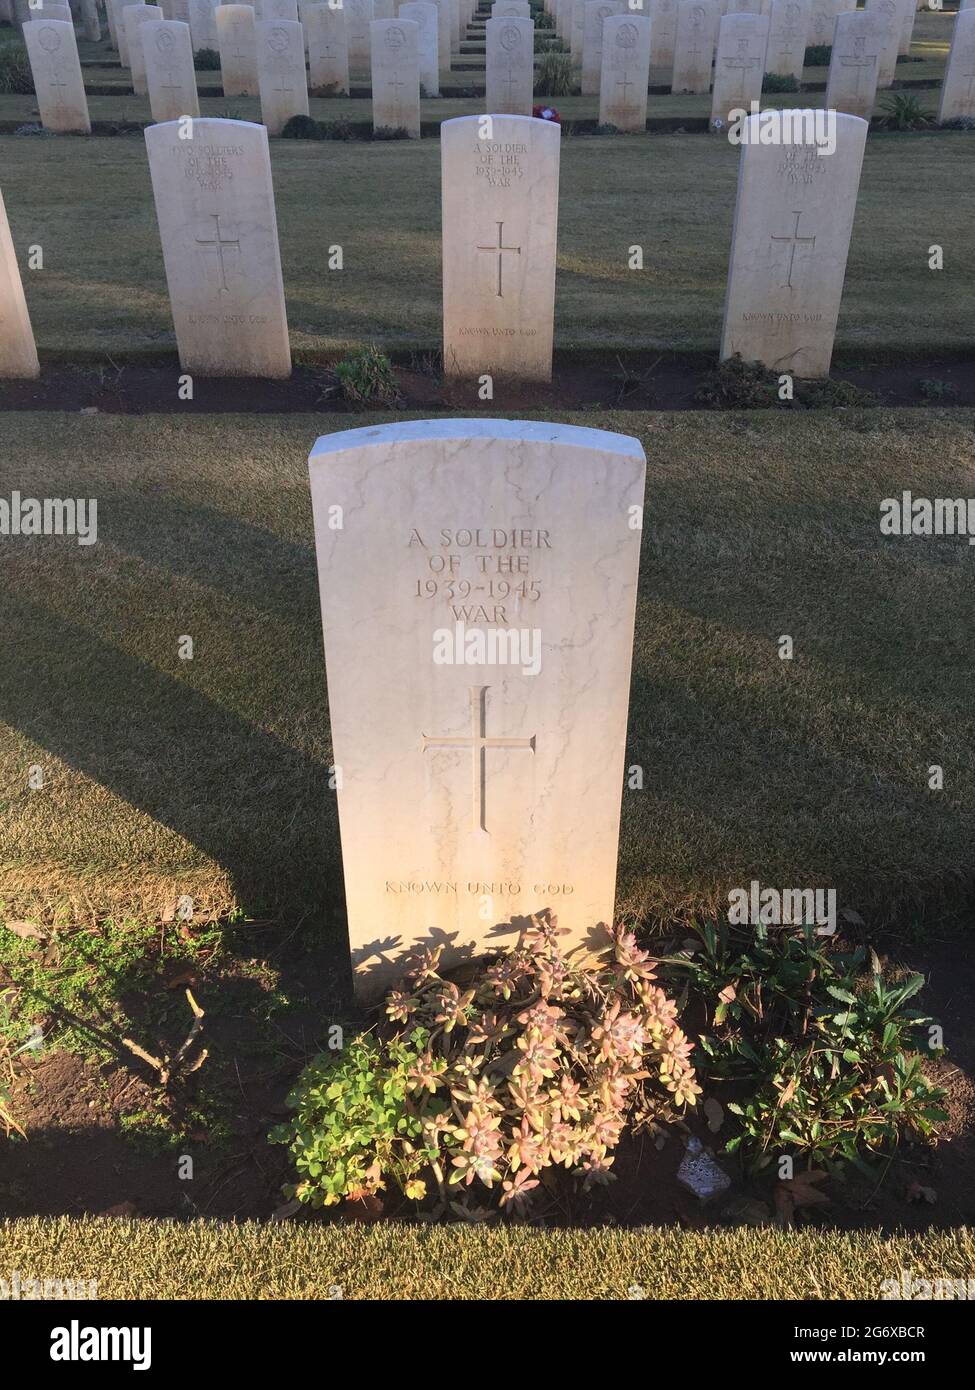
281,72
958,90
508,773
56,69
788,22
426,17
793,220
203,26
134,17
91,26
577,31
697,32
908,16
663,19
237,38
887,15
18,355
854,64
511,9
443,35
118,10
510,66
500,200
395,76
215,207
358,18
328,50
592,41
170,75
739,66
625,72
277,9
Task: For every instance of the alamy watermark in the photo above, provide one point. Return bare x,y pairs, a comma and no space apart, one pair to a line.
908,515
783,907
815,129
489,646
17,1287
50,516
907,1286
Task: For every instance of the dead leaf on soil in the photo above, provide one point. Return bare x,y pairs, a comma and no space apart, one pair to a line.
27,931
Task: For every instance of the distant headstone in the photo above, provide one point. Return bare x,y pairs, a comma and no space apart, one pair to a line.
134,16
170,76
510,66
508,772
18,354
237,39
56,69
203,26
328,50
269,10
857,41
118,9
793,220
663,19
788,22
577,32
908,16
511,9
281,72
395,76
958,90
697,31
500,199
625,72
359,16
592,41
887,15
91,25
822,19
443,34
215,207
739,66
425,16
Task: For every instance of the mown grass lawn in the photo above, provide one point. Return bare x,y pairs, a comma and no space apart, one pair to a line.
207,1260
209,777
102,293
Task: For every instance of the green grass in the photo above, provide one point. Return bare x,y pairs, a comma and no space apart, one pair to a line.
207,1260
102,290
209,777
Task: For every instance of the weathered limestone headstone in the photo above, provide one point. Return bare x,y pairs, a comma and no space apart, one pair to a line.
134,16
887,15
908,16
281,72
510,66
328,50
507,773
203,25
53,55
170,76
395,76
277,9
500,199
793,220
958,90
424,15
625,72
739,66
663,20
49,10
90,23
511,9
697,30
788,21
118,9
853,68
577,32
822,18
592,41
18,354
237,38
443,35
217,224
358,18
